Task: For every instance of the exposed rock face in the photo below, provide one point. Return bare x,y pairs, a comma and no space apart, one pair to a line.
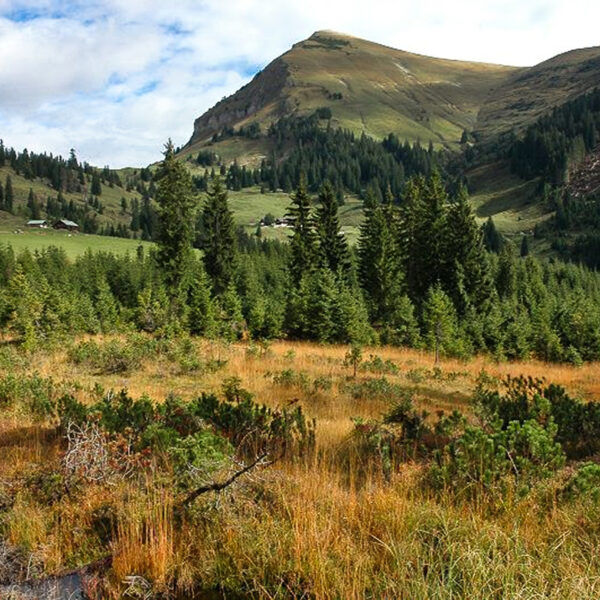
265,90
584,178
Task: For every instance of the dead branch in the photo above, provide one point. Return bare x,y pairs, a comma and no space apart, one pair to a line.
218,486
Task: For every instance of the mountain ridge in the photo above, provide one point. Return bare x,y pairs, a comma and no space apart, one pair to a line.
369,88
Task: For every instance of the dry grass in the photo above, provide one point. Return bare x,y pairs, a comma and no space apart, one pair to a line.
310,530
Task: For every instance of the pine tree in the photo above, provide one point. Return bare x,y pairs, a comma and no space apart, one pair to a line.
2,207
333,248
218,240
439,321
175,198
33,206
491,238
303,242
96,189
380,268
524,247
9,197
424,231
201,314
470,282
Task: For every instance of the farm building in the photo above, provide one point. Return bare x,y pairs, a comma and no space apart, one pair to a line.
39,223
66,224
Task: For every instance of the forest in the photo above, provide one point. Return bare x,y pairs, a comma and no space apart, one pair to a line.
423,275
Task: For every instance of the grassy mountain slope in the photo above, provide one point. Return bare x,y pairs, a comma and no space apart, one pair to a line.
528,93
368,87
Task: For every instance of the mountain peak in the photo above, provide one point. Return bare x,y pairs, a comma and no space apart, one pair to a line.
330,33
367,87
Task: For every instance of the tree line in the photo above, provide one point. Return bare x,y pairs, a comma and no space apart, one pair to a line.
420,276
310,146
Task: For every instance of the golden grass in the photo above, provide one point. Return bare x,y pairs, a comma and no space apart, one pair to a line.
311,530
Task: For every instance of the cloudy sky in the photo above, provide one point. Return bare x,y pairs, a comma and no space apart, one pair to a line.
115,78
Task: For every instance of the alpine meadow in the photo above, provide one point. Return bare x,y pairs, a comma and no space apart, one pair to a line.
342,344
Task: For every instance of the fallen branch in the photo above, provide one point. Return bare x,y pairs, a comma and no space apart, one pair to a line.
217,487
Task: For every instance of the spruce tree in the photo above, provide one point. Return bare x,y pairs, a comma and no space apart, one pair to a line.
333,247
440,323
303,242
9,196
33,206
96,188
426,257
470,282
218,239
380,268
491,238
176,202
201,313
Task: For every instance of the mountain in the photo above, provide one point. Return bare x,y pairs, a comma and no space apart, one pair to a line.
526,94
368,87
379,90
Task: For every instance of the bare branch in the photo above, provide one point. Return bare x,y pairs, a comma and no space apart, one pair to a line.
218,486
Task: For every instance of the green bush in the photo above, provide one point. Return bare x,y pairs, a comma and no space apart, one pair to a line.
374,389
375,364
482,461
578,423
289,378
197,457
584,483
33,393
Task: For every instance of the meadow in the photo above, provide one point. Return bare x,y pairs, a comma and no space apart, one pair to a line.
329,524
74,244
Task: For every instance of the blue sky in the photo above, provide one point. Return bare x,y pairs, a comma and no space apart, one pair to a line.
115,78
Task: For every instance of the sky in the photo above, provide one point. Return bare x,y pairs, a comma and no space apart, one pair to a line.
114,79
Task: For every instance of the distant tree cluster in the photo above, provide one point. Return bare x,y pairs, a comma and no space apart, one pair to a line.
350,163
66,175
549,143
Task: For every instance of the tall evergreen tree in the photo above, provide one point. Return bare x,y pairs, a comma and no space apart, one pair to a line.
96,188
524,246
491,238
175,198
333,247
33,206
9,196
303,242
380,268
218,240
426,259
469,282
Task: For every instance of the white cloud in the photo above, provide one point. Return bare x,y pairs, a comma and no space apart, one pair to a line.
116,78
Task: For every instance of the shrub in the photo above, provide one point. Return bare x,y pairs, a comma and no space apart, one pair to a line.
374,389
584,483
481,461
33,393
253,428
115,356
196,457
376,364
289,378
578,423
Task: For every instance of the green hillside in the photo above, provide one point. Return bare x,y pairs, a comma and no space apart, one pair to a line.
110,199
369,88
